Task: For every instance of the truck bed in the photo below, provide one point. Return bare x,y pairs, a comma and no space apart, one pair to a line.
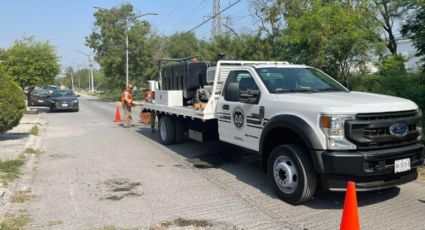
184,111
222,71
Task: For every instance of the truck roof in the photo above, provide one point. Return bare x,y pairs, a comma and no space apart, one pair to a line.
279,66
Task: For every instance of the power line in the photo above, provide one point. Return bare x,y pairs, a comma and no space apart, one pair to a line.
190,14
215,15
171,12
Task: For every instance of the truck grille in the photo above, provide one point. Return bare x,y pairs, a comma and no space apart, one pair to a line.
372,130
383,131
386,116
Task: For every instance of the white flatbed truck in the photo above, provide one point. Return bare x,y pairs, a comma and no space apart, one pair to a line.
309,129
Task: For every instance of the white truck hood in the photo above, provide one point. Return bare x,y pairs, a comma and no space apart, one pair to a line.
349,103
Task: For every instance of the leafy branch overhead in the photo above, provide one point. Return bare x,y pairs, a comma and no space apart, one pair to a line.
339,37
31,63
108,42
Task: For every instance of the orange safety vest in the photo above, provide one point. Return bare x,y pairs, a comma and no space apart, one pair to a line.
130,97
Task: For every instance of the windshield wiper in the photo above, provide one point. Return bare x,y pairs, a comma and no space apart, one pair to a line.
296,91
304,90
329,89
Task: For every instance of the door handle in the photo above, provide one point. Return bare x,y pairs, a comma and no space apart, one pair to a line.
225,107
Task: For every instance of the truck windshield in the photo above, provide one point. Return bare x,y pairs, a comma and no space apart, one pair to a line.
282,80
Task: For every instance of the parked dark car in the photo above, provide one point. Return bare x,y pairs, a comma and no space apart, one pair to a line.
51,88
64,100
39,97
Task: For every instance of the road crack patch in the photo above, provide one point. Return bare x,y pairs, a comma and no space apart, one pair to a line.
120,188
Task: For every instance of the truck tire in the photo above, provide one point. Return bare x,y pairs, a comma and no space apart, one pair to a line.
167,130
291,174
180,131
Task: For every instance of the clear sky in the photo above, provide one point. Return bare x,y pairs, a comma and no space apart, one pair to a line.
65,23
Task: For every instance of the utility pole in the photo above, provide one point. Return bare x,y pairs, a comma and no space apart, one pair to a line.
128,20
91,72
90,87
216,27
78,70
126,52
72,80
91,65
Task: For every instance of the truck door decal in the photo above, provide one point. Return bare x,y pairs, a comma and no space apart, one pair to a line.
238,117
224,117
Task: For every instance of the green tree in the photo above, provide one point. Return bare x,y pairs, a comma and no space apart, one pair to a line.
180,45
65,79
12,103
336,37
108,41
393,66
242,47
388,12
31,63
414,28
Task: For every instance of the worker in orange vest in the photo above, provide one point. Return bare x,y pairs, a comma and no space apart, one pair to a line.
127,103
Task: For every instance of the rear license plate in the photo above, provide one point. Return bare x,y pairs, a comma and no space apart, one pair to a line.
40,101
64,105
402,165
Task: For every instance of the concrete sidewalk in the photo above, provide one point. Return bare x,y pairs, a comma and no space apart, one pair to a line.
15,141
13,145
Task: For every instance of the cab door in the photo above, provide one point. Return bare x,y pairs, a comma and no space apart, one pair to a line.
238,110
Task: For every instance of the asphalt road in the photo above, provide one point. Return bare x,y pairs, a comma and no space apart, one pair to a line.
94,173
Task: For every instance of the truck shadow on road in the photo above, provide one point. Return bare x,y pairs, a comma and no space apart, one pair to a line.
245,165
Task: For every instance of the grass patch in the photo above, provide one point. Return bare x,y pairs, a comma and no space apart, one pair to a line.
10,170
55,223
180,222
33,151
112,227
108,227
12,222
21,196
34,130
23,210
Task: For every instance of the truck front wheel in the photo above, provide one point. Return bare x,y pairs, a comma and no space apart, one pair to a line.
167,130
291,174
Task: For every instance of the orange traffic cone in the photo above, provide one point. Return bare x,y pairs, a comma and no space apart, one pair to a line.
350,214
117,115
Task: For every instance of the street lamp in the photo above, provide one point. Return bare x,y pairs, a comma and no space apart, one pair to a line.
127,22
90,57
78,78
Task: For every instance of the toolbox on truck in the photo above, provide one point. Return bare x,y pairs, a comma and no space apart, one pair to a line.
185,76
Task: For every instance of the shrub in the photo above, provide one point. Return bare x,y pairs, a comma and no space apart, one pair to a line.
410,86
393,65
12,103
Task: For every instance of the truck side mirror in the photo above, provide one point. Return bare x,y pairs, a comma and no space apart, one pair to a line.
348,84
250,97
231,93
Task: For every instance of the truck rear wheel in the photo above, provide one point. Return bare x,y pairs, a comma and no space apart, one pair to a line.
291,174
167,130
180,131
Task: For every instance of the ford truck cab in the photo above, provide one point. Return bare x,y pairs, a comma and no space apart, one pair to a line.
309,129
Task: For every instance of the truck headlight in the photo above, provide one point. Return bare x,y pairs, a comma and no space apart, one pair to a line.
75,101
333,128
